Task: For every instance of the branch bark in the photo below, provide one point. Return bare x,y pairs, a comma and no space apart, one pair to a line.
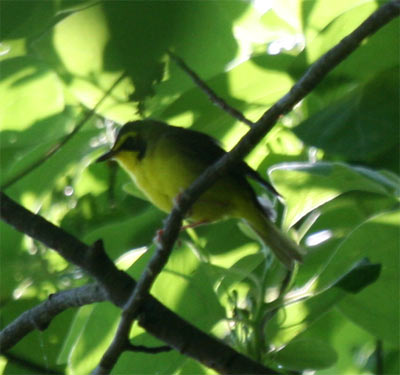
154,317
41,315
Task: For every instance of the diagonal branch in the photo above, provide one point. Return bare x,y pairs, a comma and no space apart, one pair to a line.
41,315
154,317
214,98
307,83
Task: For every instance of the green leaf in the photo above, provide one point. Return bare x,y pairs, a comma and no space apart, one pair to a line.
20,148
374,308
25,18
312,304
352,344
25,85
238,272
126,260
306,355
38,345
306,186
190,291
360,126
325,29
81,318
134,230
336,220
245,91
91,342
360,277
296,318
148,364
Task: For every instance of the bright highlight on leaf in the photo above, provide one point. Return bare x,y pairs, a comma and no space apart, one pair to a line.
318,238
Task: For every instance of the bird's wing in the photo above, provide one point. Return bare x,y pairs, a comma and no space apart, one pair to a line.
251,173
207,151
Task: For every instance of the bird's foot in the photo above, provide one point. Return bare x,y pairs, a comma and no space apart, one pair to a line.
158,237
194,225
160,232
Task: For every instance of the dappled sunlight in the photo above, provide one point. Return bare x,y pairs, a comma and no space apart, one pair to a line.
318,238
127,259
72,74
292,320
286,44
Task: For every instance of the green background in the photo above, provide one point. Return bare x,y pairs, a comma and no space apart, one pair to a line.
334,159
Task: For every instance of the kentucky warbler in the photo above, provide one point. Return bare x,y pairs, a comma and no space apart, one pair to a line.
164,160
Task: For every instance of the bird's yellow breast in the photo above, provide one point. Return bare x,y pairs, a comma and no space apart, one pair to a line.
162,174
147,178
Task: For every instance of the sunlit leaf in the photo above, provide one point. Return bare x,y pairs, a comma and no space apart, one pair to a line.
373,309
307,186
25,85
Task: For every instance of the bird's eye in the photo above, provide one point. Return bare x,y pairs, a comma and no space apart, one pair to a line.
130,144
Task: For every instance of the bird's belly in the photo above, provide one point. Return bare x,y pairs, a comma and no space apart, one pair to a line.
162,179
164,190
155,192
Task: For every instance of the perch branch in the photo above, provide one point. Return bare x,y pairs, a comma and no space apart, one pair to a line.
154,317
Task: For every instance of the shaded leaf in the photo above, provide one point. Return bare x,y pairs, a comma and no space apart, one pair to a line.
306,354
361,125
360,277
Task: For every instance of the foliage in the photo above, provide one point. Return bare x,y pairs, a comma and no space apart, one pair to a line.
335,160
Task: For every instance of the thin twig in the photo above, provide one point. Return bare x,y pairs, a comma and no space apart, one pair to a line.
309,81
214,98
40,316
53,149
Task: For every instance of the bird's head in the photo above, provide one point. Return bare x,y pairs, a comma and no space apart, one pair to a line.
130,143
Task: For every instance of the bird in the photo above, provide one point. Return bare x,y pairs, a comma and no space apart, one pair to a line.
163,160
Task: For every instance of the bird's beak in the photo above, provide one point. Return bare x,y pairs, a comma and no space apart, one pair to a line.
108,155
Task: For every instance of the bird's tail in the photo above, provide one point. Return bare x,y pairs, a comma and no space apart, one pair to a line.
285,249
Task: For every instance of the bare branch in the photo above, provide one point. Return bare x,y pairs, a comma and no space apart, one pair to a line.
214,98
145,349
154,317
92,259
41,316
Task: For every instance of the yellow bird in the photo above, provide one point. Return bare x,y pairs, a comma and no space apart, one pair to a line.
164,160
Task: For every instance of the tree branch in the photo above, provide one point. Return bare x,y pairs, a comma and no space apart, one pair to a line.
41,315
308,82
214,98
154,317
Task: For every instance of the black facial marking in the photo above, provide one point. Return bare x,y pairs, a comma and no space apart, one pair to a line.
134,143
